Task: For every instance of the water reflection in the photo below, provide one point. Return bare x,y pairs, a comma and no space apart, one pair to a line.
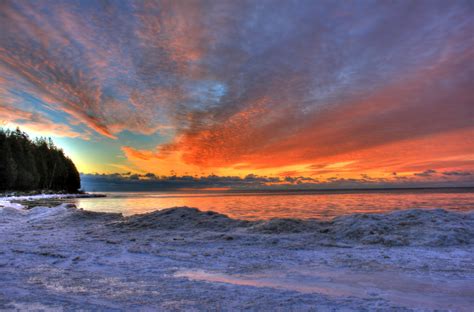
406,289
281,205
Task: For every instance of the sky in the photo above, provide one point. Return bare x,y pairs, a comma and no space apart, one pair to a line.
266,93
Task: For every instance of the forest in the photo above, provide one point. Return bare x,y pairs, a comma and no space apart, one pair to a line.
34,165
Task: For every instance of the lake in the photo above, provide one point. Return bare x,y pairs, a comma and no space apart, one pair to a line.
284,204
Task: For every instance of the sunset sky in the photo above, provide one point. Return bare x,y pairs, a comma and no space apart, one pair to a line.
291,92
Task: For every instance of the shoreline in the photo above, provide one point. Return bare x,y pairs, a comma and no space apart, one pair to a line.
26,196
49,200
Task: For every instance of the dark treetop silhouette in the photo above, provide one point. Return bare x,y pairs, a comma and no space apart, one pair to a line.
34,165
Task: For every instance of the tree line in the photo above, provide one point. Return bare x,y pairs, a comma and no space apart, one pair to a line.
27,165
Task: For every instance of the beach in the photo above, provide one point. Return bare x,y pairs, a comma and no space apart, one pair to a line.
236,155
64,258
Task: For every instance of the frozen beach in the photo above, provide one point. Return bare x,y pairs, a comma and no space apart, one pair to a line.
64,258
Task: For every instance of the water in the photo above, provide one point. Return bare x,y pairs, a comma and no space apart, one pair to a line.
406,289
266,205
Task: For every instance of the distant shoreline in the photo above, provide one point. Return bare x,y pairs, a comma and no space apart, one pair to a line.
15,194
460,189
359,190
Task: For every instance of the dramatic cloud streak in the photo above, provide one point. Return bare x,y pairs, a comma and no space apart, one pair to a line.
33,121
311,88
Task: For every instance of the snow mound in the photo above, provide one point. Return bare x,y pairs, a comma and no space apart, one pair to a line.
8,204
9,214
417,227
181,218
78,215
284,226
66,214
40,213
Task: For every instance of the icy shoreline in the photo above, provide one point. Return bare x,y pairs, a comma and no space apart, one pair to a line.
14,201
185,259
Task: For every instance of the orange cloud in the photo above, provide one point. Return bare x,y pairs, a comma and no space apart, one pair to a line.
234,92
138,154
267,136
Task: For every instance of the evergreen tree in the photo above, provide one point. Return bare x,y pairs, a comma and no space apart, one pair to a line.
8,172
73,180
41,155
38,165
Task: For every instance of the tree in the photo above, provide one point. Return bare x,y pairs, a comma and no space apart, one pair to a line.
41,157
38,165
22,151
73,180
8,170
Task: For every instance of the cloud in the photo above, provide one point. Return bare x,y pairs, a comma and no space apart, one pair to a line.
33,121
457,173
426,173
150,176
338,112
257,85
138,154
152,182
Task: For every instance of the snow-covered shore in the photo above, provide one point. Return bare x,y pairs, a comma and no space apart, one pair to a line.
177,259
48,196
16,201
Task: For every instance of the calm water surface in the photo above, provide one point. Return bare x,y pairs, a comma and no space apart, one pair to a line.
265,205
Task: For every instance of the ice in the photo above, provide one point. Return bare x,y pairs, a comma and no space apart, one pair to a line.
435,227
186,259
182,218
7,204
417,227
400,289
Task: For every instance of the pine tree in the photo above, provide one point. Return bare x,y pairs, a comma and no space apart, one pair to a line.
8,172
38,165
41,155
73,180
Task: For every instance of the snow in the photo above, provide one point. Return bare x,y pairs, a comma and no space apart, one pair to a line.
64,258
46,196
